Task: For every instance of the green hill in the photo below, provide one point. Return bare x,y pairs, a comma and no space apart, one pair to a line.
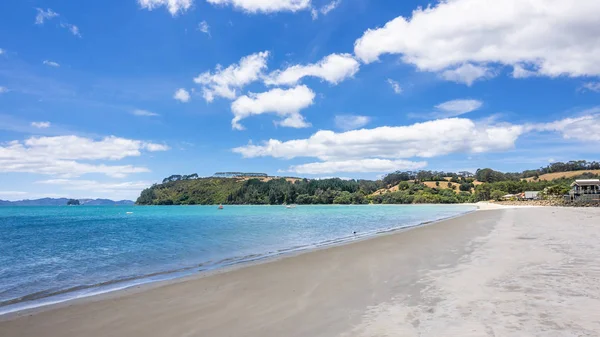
395,188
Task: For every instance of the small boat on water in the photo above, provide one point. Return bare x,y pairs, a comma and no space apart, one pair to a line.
220,207
290,206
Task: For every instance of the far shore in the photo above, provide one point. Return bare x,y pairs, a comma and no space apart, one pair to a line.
505,271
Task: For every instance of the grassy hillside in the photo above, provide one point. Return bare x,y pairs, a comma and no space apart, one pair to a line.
558,175
395,188
203,191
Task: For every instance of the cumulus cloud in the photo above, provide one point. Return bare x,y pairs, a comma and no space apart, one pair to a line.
174,6
284,103
425,140
383,148
467,74
457,107
41,125
357,165
520,72
145,113
265,6
395,86
51,64
69,156
43,15
182,95
469,37
225,82
576,128
349,122
333,68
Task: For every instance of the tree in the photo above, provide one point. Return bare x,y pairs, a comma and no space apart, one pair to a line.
465,187
437,183
73,202
497,195
343,198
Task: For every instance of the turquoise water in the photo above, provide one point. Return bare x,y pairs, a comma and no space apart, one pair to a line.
51,254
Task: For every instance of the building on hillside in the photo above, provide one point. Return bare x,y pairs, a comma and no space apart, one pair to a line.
239,175
531,195
584,190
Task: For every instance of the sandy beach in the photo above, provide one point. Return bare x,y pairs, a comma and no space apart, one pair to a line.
495,272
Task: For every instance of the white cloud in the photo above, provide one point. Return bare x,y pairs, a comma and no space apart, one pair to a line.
467,74
72,28
51,64
49,14
330,6
154,147
41,125
3,90
204,28
591,86
69,156
43,15
395,86
425,140
265,6
12,193
357,165
284,103
457,107
314,13
333,68
174,6
520,72
182,95
1,51
380,149
325,9
554,37
350,122
578,128
225,82
80,188
146,113
93,185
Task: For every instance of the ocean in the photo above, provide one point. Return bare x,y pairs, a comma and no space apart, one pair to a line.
53,254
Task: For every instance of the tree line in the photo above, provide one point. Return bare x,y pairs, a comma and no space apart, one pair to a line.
450,187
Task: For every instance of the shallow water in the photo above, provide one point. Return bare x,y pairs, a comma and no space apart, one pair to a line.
51,254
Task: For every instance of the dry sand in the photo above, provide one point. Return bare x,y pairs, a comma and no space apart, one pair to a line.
501,272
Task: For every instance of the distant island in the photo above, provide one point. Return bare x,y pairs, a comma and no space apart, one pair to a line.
66,201
409,187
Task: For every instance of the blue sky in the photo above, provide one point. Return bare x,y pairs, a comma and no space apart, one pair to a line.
100,99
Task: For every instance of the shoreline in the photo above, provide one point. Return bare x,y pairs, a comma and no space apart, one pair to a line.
87,292
505,271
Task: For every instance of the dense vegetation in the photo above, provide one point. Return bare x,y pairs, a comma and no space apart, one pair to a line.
450,187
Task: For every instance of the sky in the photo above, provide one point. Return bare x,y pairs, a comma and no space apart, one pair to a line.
102,99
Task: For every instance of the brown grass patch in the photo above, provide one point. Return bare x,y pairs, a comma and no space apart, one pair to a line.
558,175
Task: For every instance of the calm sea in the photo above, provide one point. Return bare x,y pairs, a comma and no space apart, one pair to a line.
52,254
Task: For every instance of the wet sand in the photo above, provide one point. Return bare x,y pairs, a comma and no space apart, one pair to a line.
501,272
